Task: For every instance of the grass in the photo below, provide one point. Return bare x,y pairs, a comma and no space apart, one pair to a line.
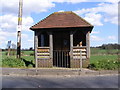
24,62
27,52
104,59
12,62
106,62
100,59
98,51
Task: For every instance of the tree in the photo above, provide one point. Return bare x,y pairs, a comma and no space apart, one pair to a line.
31,48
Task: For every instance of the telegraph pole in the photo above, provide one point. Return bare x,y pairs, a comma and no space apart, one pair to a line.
19,28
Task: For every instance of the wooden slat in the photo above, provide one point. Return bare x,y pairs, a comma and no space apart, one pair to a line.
78,50
42,57
78,57
43,50
79,47
79,54
43,47
43,53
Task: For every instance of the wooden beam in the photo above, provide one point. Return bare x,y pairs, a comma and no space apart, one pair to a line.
35,47
88,44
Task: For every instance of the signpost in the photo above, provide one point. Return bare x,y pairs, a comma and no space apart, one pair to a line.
19,28
9,45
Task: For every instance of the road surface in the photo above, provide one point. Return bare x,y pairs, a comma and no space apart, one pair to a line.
107,81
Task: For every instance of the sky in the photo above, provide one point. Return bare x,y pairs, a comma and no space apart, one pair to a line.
103,14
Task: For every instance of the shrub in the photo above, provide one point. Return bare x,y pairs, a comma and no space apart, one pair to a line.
12,62
31,54
91,66
106,65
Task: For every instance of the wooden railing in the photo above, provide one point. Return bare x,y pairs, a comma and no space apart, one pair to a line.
43,53
76,52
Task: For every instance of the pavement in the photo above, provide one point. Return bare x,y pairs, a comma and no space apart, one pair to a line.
55,72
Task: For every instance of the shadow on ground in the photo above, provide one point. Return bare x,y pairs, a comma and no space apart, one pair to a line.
28,63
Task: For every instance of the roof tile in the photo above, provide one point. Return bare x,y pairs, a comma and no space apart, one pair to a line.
61,20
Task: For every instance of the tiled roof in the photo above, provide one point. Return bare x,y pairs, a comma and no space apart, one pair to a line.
61,20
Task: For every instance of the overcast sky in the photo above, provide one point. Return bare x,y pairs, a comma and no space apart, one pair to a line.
103,15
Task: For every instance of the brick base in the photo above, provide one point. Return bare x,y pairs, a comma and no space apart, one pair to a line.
76,63
45,63
73,63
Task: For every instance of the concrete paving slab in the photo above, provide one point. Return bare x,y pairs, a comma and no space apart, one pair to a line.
47,71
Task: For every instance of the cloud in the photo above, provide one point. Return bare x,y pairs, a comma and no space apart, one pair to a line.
7,34
96,38
109,13
35,6
61,10
2,40
112,37
9,22
109,39
113,20
27,23
95,32
69,1
79,1
110,10
111,1
93,18
31,40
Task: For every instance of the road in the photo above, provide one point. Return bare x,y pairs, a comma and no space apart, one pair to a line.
108,81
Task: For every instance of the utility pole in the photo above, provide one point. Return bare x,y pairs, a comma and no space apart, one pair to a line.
19,28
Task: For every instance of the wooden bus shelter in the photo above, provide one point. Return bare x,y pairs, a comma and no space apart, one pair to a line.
59,38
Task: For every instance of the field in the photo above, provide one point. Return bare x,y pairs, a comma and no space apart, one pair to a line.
100,59
104,59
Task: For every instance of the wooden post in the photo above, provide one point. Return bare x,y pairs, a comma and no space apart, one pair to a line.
80,60
35,47
8,51
71,45
88,44
51,45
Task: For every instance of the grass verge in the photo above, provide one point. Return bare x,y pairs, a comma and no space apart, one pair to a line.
104,62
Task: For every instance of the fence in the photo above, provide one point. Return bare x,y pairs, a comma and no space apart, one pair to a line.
61,58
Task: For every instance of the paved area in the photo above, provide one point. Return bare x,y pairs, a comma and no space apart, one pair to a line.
53,71
107,81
